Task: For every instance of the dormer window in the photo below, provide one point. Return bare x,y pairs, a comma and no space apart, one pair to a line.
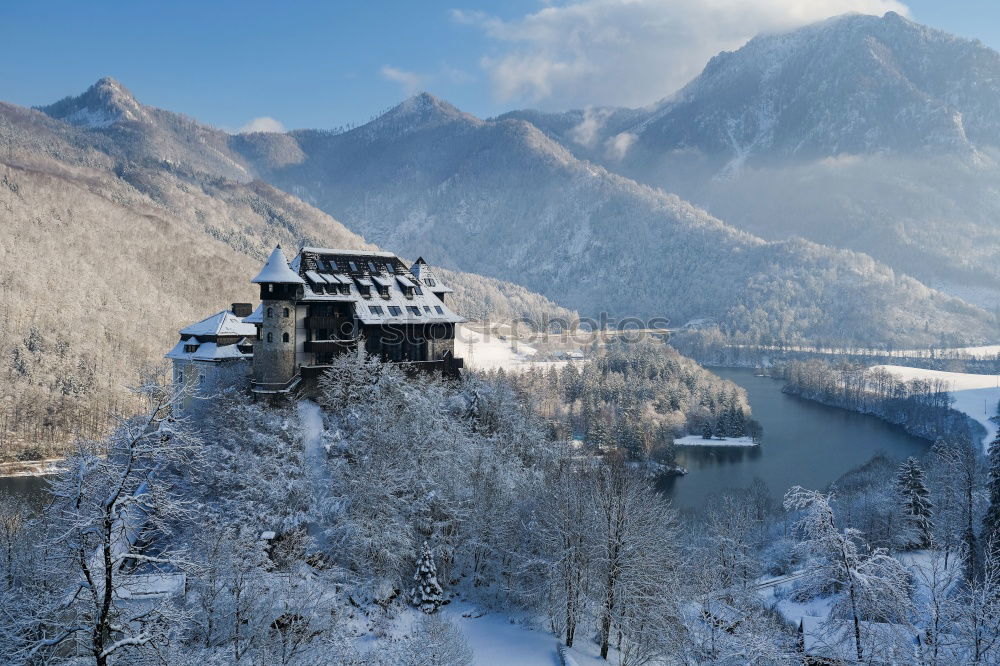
383,291
190,348
372,267
366,292
429,282
354,266
413,310
345,289
418,291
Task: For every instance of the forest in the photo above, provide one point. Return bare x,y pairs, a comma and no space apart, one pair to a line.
922,407
342,530
637,397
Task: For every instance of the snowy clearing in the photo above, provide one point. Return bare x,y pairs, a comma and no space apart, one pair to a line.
698,440
498,641
492,353
975,395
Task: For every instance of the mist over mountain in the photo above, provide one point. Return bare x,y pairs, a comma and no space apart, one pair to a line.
875,134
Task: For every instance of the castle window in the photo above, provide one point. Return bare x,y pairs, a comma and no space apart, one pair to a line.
270,337
284,337
270,312
395,311
285,313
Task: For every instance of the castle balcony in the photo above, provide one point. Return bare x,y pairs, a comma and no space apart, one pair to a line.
330,346
317,322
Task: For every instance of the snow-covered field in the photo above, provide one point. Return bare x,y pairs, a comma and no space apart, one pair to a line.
975,395
698,440
491,353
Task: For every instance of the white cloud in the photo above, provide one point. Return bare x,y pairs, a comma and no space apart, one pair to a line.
411,82
586,132
631,52
617,146
262,124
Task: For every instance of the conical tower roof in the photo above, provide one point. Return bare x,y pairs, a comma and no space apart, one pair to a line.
276,270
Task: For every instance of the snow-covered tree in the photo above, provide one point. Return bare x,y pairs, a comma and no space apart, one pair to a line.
915,503
991,521
869,584
114,499
426,594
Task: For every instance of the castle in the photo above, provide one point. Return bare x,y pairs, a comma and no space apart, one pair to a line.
326,302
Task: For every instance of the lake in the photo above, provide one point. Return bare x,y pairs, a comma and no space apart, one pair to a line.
33,489
805,443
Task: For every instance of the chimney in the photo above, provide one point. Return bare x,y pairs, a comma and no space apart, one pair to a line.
242,309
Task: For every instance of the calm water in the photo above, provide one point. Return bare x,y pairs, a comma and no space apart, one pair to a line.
804,444
33,489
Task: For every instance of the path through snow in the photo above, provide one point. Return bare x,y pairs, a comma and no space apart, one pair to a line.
313,455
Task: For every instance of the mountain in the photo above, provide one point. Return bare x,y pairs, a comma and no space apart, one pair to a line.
504,199
874,134
115,237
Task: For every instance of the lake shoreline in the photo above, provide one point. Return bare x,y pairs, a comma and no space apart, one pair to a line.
28,468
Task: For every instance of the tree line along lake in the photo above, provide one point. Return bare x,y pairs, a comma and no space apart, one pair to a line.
805,443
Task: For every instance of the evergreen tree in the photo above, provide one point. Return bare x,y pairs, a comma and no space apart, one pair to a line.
991,521
426,594
706,429
915,500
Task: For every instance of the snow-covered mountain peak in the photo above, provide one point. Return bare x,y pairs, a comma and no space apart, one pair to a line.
422,111
103,104
851,84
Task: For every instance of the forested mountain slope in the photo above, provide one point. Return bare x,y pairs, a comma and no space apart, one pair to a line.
105,257
875,134
501,197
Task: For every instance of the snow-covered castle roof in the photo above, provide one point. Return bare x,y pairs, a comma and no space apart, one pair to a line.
276,270
428,277
221,323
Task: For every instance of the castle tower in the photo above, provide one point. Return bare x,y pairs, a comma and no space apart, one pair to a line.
274,368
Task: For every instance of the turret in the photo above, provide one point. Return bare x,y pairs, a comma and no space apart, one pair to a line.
429,280
274,368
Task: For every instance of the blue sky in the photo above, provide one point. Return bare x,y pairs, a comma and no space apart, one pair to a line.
330,63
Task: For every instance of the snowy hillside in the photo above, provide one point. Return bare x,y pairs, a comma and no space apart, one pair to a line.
975,395
878,135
